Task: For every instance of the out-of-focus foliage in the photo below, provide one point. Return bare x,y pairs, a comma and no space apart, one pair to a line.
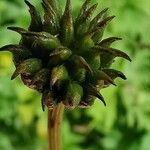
123,125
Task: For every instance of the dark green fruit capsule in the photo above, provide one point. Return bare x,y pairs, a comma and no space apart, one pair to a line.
79,75
86,43
99,29
102,76
41,78
29,66
51,22
92,91
73,96
58,56
79,61
67,28
36,22
58,74
43,40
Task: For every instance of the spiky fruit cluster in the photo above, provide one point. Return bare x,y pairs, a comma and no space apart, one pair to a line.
65,58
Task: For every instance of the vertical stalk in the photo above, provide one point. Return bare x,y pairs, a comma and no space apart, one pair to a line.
54,127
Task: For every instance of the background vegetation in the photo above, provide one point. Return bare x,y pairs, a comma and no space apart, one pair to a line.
123,125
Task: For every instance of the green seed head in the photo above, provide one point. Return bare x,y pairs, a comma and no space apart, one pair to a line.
65,58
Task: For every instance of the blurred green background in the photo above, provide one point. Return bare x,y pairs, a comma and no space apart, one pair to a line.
123,125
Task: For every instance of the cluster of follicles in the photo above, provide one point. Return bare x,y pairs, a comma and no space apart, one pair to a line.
64,57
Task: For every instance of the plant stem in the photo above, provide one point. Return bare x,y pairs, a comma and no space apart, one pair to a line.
54,127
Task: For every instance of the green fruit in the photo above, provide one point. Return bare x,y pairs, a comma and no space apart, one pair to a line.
41,78
29,66
66,58
74,95
59,55
80,75
67,28
58,74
